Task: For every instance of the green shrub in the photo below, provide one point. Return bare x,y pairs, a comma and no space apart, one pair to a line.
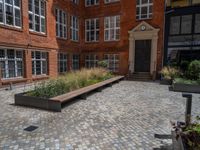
170,72
70,82
103,64
193,71
186,81
184,65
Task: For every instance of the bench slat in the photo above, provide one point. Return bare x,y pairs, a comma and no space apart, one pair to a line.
81,91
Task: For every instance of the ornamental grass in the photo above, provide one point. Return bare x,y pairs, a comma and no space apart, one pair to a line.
69,82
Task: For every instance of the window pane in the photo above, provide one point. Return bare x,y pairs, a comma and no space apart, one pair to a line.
186,25
175,25
9,15
197,23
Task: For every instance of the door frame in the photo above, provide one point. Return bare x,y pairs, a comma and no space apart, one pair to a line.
143,31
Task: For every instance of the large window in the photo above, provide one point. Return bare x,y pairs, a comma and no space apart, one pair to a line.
112,28
39,63
74,28
144,9
62,62
181,25
75,61
92,30
110,1
11,63
91,61
91,2
113,62
61,24
10,12
37,12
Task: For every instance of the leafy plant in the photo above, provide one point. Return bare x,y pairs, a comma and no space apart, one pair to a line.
170,72
103,64
69,82
193,71
186,81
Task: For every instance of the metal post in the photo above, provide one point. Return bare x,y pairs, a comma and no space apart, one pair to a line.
188,108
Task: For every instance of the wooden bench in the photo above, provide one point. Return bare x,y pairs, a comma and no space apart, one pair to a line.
84,91
55,103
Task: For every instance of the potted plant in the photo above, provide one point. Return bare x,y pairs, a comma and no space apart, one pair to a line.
168,74
187,137
190,80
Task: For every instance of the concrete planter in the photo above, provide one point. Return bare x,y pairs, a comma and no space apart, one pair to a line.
55,103
178,87
36,102
178,144
166,82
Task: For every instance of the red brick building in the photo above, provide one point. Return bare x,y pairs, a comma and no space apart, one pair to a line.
41,39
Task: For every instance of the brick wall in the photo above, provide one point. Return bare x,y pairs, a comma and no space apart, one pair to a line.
26,40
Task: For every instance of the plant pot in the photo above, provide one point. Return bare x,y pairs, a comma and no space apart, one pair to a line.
166,82
179,87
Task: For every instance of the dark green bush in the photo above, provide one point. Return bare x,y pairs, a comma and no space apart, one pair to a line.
193,71
103,64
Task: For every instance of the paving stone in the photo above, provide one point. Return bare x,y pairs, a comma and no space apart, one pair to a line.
125,116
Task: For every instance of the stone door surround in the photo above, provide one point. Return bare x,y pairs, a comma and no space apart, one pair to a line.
143,31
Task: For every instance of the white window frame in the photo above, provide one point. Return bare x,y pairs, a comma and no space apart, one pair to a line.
140,6
114,61
91,60
62,60
16,60
90,3
34,59
74,28
90,30
61,21
38,15
110,1
4,4
108,28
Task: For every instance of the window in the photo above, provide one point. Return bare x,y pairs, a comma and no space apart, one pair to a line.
92,30
110,1
37,12
75,61
10,12
113,62
61,24
197,23
112,28
91,61
74,28
91,2
11,63
62,62
75,1
181,25
144,9
39,63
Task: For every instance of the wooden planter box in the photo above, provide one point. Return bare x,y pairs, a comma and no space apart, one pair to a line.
55,103
166,82
178,87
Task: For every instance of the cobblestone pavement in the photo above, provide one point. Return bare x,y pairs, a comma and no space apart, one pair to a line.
125,116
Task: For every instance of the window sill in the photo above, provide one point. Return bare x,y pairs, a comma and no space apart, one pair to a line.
40,77
109,3
111,41
11,28
60,38
139,20
92,42
74,41
38,33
